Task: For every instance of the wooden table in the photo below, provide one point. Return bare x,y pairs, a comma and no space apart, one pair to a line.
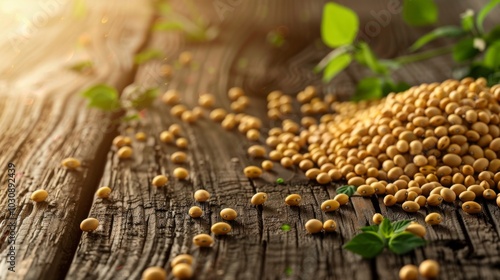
43,120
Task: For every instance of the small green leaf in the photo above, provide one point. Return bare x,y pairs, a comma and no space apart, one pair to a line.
405,242
420,12
167,26
80,8
288,271
145,99
331,56
164,8
367,244
366,57
336,65
385,229
492,56
102,97
445,31
147,55
347,190
484,13
285,227
280,181
372,228
400,226
82,66
401,86
464,50
493,35
131,117
368,89
467,20
339,25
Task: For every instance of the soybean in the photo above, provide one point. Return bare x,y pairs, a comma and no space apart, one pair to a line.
182,271
89,224
259,198
341,198
429,269
159,181
329,226
293,200
201,195
71,163
125,152
220,228
228,214
471,207
180,173
408,272
433,219
154,273
203,240
195,212
314,226
252,172
39,195
103,192
377,218
330,205
182,258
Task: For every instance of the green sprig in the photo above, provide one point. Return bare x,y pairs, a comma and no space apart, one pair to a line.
339,28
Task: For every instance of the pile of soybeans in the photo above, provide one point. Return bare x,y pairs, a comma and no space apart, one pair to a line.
433,143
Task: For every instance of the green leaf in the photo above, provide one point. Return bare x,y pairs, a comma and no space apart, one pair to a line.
493,35
467,20
147,55
82,66
492,56
80,9
400,226
368,89
464,50
164,8
347,190
285,227
401,86
445,31
145,99
388,86
339,25
420,12
332,55
385,229
366,57
288,271
336,65
484,13
167,26
367,244
372,228
405,242
103,97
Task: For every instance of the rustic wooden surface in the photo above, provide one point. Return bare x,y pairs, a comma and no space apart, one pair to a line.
43,120
143,226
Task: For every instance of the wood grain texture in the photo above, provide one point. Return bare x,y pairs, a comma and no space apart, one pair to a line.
44,120
144,226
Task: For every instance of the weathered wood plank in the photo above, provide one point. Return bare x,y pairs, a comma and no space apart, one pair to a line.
43,121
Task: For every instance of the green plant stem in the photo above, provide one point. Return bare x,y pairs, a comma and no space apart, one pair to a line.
405,59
